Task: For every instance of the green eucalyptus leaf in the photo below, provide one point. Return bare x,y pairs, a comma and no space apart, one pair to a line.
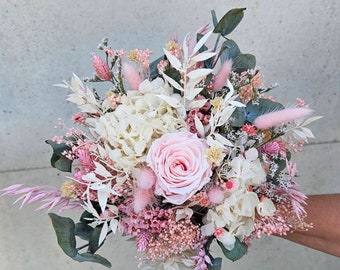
63,164
154,69
58,148
243,62
64,229
86,217
229,50
84,231
239,117
94,240
214,18
229,21
89,257
58,160
216,264
262,106
237,252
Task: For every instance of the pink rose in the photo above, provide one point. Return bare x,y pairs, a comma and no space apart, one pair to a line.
178,160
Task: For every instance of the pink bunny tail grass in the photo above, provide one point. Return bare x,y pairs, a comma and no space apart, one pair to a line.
279,117
102,69
131,75
222,76
142,197
146,178
215,195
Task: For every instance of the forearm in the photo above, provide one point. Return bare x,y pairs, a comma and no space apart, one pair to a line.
324,212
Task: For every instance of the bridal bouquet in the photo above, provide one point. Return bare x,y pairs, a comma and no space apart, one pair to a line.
178,154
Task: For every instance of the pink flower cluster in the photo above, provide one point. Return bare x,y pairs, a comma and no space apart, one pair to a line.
173,240
202,113
141,56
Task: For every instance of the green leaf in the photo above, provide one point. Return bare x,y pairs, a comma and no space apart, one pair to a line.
86,217
229,21
58,160
84,231
214,18
237,252
94,240
243,62
89,257
239,117
216,264
262,106
64,229
154,69
229,50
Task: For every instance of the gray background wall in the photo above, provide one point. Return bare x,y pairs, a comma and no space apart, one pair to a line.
43,42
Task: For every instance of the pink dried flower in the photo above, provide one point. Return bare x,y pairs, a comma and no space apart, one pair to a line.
131,76
279,117
275,148
222,75
246,93
173,239
79,118
142,240
301,103
102,69
216,195
202,113
250,129
85,159
231,185
146,178
255,81
162,65
110,52
50,198
140,56
142,197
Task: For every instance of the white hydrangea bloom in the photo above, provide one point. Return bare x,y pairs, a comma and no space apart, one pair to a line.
237,212
247,170
124,131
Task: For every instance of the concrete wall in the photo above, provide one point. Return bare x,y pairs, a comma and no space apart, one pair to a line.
43,42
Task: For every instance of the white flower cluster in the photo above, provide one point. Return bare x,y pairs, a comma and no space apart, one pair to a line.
237,211
125,131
